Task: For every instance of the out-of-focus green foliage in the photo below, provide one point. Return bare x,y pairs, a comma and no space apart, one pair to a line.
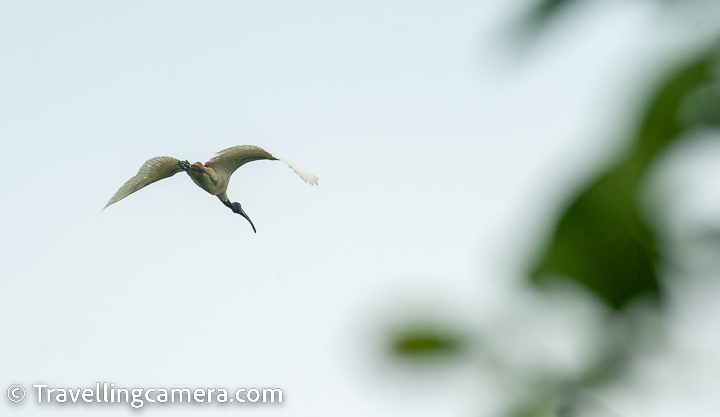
602,241
676,108
426,342
544,10
547,405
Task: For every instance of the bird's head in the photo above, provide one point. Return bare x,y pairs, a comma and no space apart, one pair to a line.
199,167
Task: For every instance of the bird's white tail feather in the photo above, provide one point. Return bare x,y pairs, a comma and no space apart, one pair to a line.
306,175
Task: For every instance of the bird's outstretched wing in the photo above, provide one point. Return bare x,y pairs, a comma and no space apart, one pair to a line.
230,159
152,170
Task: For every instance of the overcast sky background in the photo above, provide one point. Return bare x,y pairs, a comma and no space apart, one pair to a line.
441,157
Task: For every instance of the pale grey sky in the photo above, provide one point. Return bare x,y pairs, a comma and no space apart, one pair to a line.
440,163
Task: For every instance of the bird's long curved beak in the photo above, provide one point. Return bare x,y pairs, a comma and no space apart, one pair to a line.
242,213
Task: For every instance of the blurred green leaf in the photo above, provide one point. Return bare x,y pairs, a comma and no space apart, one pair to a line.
676,108
547,403
601,241
701,107
426,341
544,11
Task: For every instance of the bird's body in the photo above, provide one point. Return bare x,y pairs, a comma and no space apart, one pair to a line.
212,176
206,178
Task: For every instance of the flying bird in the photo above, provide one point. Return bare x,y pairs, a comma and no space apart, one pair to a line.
212,176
